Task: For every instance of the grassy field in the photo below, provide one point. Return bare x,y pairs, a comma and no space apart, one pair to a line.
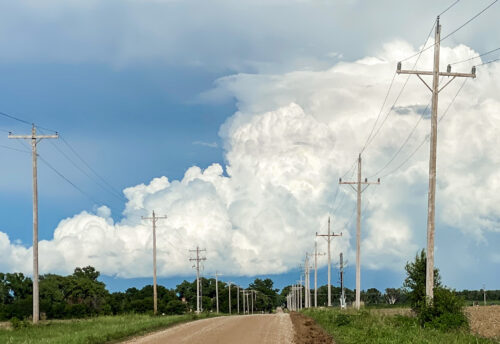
376,327
89,331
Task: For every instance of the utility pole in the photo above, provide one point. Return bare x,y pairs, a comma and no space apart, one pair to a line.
484,294
198,259
229,298
154,218
316,254
329,237
238,299
34,141
217,290
431,210
342,296
243,296
358,190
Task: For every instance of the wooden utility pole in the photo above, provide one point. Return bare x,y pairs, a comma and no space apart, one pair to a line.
431,209
154,218
484,294
316,254
34,141
358,190
342,295
238,299
198,259
329,237
217,290
229,290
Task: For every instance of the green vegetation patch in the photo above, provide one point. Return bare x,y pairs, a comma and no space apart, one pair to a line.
89,331
367,326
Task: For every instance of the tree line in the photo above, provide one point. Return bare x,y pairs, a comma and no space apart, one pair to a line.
81,294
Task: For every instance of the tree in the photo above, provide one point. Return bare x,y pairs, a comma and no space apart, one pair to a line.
373,296
415,279
445,310
393,295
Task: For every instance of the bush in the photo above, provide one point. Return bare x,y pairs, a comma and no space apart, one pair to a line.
17,324
176,307
446,311
342,319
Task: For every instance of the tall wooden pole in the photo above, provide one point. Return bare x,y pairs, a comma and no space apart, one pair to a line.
154,218
431,210
34,141
359,190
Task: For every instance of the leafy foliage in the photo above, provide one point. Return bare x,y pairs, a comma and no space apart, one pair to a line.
445,311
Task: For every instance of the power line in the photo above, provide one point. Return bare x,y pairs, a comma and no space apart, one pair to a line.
66,179
14,118
84,172
454,31
427,136
117,193
371,138
449,7
475,57
485,63
15,149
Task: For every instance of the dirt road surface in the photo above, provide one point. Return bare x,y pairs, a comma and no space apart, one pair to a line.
241,329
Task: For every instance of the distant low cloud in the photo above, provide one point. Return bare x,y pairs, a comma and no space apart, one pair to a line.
206,144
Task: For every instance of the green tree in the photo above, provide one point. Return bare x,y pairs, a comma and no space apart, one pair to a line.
414,283
445,310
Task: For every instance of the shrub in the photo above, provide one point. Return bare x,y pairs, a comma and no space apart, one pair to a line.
342,319
445,312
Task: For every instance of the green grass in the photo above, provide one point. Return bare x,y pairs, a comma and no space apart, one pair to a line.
366,326
90,331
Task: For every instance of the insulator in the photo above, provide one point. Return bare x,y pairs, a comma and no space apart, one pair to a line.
399,66
448,69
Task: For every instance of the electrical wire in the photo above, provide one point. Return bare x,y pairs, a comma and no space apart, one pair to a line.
475,57
427,136
454,31
117,193
370,140
66,179
449,7
83,171
485,63
15,149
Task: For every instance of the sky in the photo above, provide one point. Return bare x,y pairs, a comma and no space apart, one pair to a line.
236,120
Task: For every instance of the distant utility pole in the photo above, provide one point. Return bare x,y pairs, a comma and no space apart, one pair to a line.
431,210
243,296
329,237
359,190
238,299
154,218
34,141
217,290
342,295
316,254
198,259
307,283
484,294
229,290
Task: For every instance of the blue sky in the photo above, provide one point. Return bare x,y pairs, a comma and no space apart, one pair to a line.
148,89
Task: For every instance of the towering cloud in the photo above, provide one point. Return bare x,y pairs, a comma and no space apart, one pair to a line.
294,135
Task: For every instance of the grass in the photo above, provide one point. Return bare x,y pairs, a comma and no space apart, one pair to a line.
367,326
90,331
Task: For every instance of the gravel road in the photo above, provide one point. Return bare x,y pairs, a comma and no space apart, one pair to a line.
243,329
